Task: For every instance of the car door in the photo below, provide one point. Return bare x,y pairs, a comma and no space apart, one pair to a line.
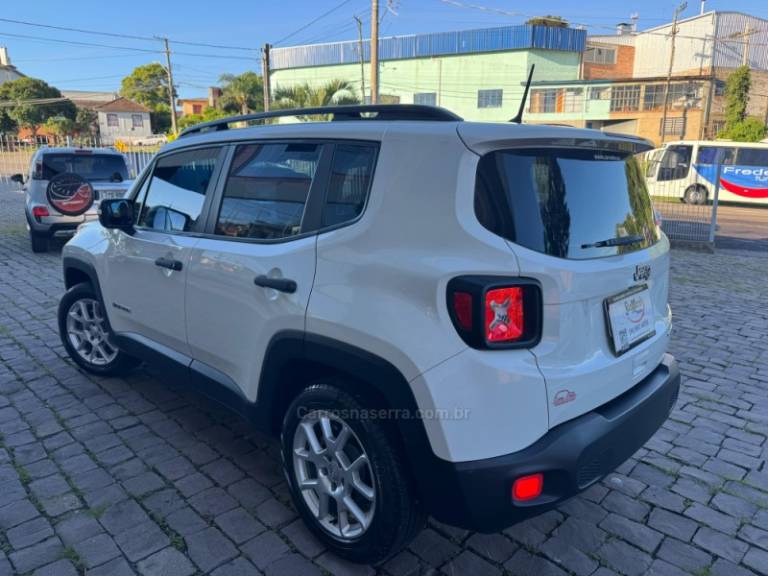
252,274
147,270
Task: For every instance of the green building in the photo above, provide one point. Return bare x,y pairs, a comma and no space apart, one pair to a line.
478,74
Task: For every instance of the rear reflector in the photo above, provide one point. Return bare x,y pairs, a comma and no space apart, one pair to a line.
504,317
462,308
528,487
40,212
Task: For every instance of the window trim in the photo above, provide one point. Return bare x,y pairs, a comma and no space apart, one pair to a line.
311,221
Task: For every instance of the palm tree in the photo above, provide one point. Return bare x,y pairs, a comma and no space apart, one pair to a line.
242,93
332,93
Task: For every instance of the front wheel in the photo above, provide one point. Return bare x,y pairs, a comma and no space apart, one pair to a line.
347,476
86,334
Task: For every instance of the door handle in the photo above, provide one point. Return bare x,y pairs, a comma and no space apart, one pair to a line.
169,263
279,284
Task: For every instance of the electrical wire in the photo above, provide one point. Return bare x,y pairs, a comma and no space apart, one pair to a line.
308,24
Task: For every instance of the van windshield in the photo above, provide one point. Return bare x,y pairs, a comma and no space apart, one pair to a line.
92,167
562,202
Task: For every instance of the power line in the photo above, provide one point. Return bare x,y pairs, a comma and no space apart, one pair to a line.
126,36
308,24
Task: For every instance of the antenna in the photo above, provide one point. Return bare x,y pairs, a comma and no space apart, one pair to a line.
518,119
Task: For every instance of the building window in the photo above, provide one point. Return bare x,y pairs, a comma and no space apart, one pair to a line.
425,98
112,121
719,88
489,98
625,98
717,127
573,100
653,98
595,55
544,101
685,94
137,120
601,93
672,127
197,108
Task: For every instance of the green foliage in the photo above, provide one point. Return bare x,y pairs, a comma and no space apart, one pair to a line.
737,96
333,92
160,120
31,115
209,113
86,121
148,85
242,94
548,20
60,125
749,130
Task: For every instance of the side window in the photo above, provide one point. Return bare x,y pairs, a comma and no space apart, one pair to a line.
675,163
714,154
177,189
753,157
266,190
351,173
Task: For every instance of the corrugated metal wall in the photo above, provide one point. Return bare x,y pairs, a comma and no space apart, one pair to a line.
730,54
436,44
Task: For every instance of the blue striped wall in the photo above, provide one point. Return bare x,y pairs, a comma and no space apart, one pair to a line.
435,44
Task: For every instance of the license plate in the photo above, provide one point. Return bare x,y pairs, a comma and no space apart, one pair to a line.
630,318
111,194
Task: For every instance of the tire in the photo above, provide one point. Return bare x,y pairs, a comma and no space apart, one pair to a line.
695,195
82,324
39,242
391,507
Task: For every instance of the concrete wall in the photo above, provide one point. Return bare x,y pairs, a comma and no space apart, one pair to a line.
125,128
454,79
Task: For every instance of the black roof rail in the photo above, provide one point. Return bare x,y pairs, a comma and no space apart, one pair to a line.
354,112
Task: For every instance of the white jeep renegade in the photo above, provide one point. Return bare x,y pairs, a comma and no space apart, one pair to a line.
466,320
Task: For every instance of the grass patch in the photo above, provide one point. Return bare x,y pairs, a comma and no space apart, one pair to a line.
71,555
24,476
96,512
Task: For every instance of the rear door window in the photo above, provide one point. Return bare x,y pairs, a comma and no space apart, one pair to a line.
561,201
267,189
351,173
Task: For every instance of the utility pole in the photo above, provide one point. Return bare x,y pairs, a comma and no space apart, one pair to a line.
678,10
374,51
362,60
265,77
747,33
171,97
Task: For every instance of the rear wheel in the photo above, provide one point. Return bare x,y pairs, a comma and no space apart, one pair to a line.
39,242
86,334
696,195
347,476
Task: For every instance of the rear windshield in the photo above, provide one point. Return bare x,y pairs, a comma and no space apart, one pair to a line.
92,167
561,202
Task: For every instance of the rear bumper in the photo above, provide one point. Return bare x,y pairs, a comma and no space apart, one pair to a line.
573,456
59,226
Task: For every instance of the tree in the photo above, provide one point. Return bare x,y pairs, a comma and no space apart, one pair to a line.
750,129
209,113
241,94
60,126
86,121
148,85
333,92
27,113
548,20
737,95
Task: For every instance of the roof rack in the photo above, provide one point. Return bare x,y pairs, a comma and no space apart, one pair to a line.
339,113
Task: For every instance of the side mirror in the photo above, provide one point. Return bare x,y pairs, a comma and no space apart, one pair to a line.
19,178
117,214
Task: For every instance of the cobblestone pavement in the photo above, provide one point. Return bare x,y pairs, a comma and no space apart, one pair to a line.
134,475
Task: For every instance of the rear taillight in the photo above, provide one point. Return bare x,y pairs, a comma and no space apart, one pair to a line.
495,312
40,212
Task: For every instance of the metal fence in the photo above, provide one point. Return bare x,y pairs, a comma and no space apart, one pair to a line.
686,201
16,153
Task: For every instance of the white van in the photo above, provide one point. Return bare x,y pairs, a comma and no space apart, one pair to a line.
688,170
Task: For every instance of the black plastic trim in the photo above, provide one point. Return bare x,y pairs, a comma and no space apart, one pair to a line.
478,286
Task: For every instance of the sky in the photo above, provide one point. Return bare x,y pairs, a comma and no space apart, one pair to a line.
248,24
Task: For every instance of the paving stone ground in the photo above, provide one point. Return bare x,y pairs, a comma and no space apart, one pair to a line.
109,476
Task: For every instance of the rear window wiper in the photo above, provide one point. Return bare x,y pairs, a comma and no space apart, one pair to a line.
621,241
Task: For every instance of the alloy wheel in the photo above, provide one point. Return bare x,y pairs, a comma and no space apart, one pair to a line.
333,473
88,333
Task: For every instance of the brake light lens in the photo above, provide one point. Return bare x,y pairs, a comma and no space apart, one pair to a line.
504,314
462,308
528,487
40,212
